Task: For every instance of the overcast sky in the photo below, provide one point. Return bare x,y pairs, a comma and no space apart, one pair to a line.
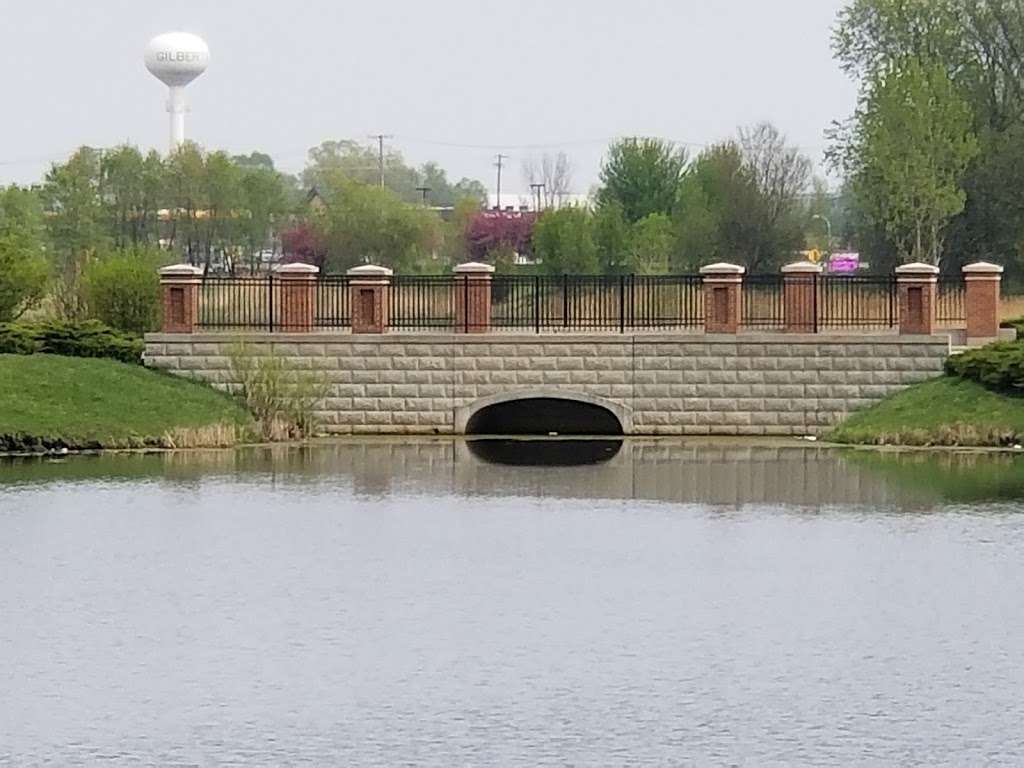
454,80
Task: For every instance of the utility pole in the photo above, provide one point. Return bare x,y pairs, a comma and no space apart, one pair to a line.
498,165
380,156
537,191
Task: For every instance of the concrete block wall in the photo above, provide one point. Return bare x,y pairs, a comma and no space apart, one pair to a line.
672,384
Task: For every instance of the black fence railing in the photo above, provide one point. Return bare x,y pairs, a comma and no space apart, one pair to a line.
856,302
422,303
762,304
951,302
545,303
332,307
239,303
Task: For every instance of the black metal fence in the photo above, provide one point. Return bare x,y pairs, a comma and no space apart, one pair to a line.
240,303
857,302
951,297
542,303
762,304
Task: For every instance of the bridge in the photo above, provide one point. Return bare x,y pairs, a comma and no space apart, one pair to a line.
714,354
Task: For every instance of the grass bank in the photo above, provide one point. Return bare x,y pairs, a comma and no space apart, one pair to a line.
947,411
49,402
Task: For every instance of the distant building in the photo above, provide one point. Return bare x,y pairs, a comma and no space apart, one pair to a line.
517,201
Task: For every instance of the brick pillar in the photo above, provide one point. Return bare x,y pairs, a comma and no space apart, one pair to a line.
370,296
298,296
179,288
982,299
917,286
800,296
473,297
723,286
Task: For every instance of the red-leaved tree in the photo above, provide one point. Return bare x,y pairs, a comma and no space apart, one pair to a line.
492,231
300,244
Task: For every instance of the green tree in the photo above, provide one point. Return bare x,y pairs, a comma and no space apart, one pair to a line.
699,236
222,222
265,205
361,162
873,35
910,149
612,238
563,241
23,266
366,224
186,171
651,243
254,161
643,176
76,225
71,193
741,202
132,190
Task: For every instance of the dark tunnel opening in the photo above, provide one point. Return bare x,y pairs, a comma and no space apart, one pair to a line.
544,416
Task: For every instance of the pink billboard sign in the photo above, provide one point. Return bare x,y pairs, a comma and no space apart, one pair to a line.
844,262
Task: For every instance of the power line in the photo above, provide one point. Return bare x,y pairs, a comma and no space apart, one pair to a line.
463,145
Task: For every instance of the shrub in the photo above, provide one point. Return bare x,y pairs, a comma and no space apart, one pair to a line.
282,399
84,339
123,291
999,366
23,274
1017,324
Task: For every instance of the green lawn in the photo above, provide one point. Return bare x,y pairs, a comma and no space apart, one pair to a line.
943,411
83,401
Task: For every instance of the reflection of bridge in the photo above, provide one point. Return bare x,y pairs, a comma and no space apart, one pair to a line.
701,472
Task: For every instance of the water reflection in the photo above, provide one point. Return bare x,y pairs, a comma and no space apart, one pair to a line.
684,471
545,453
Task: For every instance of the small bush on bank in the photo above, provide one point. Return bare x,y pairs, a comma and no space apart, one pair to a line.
123,291
998,366
85,339
281,398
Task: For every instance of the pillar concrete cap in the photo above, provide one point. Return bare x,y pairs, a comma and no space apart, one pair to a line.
983,268
371,271
181,270
723,269
474,267
297,268
917,269
802,268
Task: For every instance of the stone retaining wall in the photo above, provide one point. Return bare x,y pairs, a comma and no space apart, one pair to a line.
756,384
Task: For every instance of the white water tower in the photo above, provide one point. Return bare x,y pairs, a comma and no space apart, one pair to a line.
176,59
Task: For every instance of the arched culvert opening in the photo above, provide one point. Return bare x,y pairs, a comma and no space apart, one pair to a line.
544,416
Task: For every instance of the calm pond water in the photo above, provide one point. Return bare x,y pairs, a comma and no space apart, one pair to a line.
440,604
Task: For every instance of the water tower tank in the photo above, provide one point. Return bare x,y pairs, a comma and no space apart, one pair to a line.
176,59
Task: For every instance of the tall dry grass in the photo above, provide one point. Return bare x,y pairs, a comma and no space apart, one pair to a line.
211,436
282,398
1011,308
